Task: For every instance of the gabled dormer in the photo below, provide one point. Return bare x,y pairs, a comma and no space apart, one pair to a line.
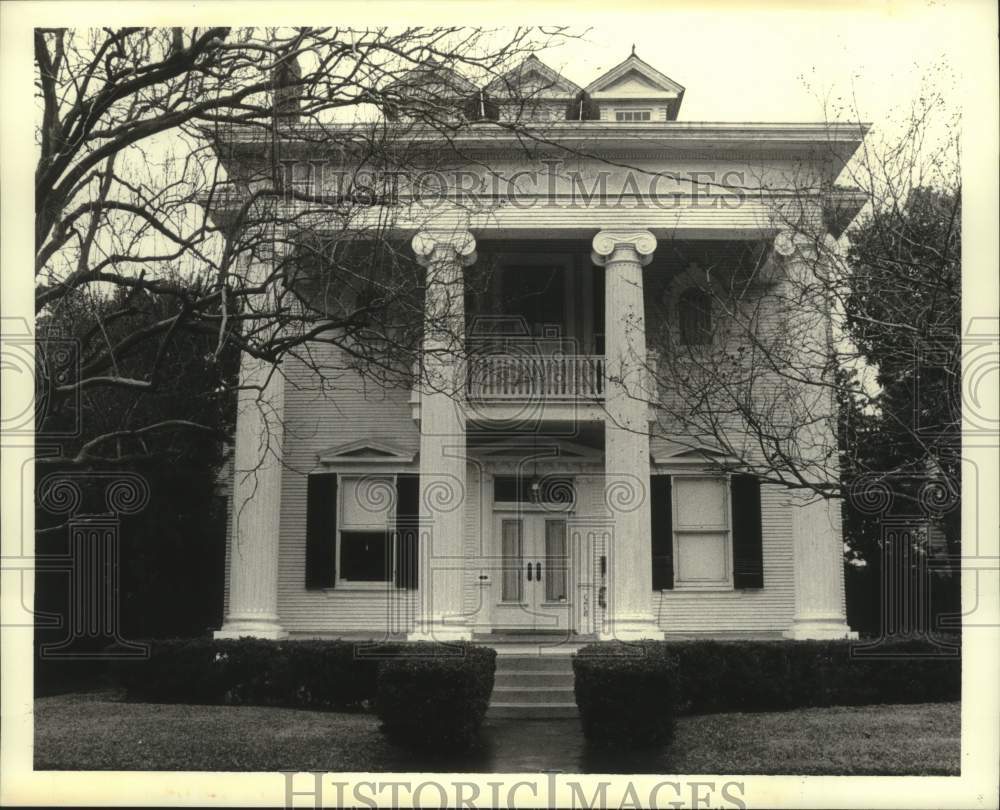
634,92
431,90
532,90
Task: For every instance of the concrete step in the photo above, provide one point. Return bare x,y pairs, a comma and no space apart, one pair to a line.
532,695
537,711
527,677
534,663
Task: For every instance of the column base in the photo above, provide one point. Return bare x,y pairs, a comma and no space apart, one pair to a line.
265,627
631,628
819,630
441,629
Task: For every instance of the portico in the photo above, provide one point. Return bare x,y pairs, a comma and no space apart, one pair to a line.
545,376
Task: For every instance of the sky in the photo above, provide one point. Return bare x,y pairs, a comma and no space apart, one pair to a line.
757,62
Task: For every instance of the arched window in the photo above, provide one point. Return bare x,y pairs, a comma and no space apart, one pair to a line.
694,311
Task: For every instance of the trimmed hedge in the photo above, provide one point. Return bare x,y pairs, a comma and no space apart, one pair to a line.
332,675
438,700
626,695
614,680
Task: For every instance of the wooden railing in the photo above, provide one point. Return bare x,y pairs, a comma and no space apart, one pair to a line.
530,376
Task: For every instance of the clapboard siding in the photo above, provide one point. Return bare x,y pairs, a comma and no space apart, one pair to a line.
765,611
349,408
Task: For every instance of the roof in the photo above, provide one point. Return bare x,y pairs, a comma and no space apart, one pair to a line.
637,80
531,70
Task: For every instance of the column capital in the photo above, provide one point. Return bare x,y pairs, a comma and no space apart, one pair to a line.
636,240
454,244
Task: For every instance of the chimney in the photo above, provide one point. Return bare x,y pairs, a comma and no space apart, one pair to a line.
287,94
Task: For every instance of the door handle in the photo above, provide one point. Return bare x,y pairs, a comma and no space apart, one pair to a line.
529,572
538,571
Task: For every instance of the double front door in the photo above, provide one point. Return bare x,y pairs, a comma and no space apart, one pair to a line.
533,587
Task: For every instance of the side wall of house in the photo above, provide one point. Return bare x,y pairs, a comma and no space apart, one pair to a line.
756,612
349,408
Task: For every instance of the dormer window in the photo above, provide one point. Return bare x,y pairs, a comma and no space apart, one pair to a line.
632,115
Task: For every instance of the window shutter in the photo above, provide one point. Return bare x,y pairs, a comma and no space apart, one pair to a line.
321,531
748,555
662,532
407,529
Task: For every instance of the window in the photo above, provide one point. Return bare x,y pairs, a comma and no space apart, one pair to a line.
553,490
694,314
365,547
632,115
701,527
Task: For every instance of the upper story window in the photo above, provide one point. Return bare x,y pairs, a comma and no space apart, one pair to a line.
632,115
694,310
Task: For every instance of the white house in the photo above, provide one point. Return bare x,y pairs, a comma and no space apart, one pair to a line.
534,495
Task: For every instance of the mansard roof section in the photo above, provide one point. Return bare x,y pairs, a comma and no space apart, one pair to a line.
635,80
532,79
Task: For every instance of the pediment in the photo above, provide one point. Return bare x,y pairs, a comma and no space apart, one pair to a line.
634,79
689,454
363,451
532,79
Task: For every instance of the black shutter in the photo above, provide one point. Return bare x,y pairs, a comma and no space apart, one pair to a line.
407,529
662,532
748,555
321,531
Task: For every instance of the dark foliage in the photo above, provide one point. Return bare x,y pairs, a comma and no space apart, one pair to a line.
629,693
436,700
430,692
336,675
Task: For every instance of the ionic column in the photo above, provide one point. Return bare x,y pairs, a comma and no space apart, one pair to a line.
442,434
816,526
819,569
256,501
623,253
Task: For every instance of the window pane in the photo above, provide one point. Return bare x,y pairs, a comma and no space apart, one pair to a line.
701,558
550,489
367,503
510,549
701,503
555,561
364,556
510,489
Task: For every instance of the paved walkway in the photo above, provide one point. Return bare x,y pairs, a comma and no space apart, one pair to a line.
535,746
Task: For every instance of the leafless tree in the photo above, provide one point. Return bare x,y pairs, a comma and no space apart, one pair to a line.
773,355
141,192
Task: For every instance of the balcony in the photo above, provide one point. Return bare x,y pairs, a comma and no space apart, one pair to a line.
520,377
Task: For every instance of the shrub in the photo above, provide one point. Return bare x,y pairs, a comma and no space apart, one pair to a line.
436,696
335,675
748,676
626,694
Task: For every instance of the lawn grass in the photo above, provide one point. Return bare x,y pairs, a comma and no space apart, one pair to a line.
916,739
99,731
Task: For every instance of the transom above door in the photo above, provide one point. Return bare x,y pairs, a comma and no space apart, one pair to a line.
532,589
